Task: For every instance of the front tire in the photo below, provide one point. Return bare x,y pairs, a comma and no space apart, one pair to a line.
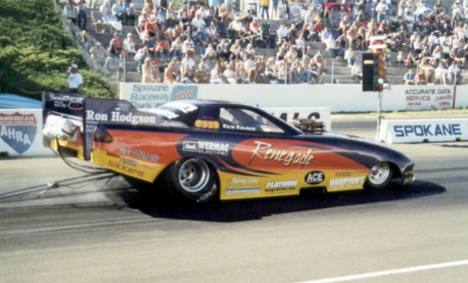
194,179
379,176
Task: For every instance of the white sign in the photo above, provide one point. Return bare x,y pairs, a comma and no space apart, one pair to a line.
291,113
429,97
339,98
21,132
152,95
423,130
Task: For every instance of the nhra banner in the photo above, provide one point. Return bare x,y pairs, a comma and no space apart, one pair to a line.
423,130
112,112
429,97
20,132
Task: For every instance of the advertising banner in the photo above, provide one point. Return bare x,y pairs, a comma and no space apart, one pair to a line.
339,98
423,130
429,97
153,95
20,132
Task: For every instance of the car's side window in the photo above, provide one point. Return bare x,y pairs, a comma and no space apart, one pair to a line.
240,119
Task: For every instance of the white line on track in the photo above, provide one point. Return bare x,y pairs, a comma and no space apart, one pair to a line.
390,272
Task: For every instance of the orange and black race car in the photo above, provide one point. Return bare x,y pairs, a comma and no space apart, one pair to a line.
212,149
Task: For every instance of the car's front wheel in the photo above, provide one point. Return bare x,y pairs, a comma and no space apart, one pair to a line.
194,179
379,176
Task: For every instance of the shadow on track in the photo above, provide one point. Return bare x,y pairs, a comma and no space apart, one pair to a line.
454,145
163,206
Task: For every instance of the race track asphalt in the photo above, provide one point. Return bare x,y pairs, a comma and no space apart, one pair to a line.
99,230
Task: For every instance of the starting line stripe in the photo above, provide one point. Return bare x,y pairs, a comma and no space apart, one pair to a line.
390,272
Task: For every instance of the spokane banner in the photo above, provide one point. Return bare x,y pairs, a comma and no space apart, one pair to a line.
429,97
423,130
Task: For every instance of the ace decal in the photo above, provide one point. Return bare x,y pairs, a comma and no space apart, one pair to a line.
18,131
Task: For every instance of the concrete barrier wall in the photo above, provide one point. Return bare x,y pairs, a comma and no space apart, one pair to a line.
461,97
338,98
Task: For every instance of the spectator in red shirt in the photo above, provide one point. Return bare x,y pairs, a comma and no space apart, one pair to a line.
420,78
115,45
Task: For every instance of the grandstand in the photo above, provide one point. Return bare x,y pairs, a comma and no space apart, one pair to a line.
327,28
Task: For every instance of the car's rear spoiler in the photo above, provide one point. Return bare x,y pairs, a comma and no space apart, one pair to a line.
58,107
94,112
62,104
114,112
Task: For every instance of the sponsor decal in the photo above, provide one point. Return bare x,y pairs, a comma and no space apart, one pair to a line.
125,165
428,130
281,186
343,174
73,102
207,124
18,130
64,103
206,147
266,151
117,116
128,162
348,181
244,180
139,154
314,177
238,128
235,191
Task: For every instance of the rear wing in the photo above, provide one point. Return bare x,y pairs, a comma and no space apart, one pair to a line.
112,112
62,112
62,104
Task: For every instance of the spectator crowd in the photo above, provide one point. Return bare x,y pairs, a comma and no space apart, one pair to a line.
215,42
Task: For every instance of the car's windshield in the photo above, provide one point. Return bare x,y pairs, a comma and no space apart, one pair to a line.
240,119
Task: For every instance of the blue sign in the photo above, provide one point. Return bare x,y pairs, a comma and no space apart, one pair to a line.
18,131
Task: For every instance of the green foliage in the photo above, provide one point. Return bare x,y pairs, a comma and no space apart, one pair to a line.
36,51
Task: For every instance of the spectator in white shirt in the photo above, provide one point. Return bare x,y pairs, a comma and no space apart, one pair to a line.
325,35
198,22
187,67
441,74
381,10
454,73
349,56
75,80
282,32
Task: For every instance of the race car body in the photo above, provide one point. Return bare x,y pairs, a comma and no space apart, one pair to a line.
212,149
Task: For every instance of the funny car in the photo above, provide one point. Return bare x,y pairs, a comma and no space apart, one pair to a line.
216,150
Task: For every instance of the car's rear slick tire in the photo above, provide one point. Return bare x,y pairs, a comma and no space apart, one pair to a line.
194,179
379,176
